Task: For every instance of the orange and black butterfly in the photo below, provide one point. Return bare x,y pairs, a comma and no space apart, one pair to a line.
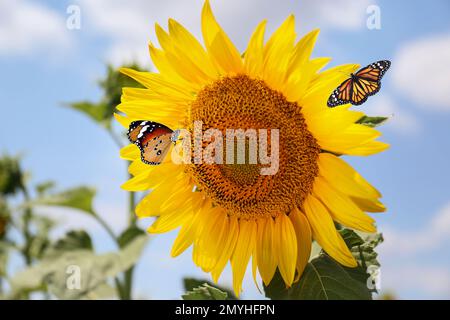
360,85
153,139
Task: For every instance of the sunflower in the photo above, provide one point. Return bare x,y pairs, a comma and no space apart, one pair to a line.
232,212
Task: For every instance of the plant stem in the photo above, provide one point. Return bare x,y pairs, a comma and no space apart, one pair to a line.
115,138
106,227
26,228
131,207
124,289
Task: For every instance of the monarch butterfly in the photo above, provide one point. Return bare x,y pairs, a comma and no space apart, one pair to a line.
360,85
153,139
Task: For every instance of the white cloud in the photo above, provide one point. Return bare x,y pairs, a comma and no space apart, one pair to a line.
432,282
130,24
421,71
400,119
432,236
340,14
27,27
404,268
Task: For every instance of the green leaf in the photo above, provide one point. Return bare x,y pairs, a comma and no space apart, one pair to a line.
324,278
112,84
74,240
39,242
372,121
205,292
55,271
129,235
96,112
44,187
77,198
276,290
11,175
191,283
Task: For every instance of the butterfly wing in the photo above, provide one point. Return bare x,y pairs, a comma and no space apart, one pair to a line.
154,150
135,129
152,138
367,81
363,89
374,71
342,94
363,84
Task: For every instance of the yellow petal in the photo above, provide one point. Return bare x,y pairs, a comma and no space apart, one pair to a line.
254,55
153,176
140,182
171,221
304,239
134,94
189,45
130,152
208,244
220,47
342,209
299,79
366,149
369,205
158,83
186,236
327,81
355,140
226,57
266,254
166,113
287,248
229,245
343,177
277,53
153,203
242,252
302,51
166,68
137,166
324,232
123,120
326,122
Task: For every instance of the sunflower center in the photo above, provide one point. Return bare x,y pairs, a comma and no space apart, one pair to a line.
240,102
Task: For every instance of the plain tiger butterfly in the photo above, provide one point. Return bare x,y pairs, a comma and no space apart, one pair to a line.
153,139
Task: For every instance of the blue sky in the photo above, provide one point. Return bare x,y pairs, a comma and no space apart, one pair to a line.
44,65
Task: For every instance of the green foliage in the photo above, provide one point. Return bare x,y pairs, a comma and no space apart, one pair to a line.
53,271
79,198
44,187
129,235
372,121
191,283
74,240
205,292
11,176
324,278
4,217
38,242
102,111
45,261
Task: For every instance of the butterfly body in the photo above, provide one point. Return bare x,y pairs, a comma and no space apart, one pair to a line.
360,85
153,139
